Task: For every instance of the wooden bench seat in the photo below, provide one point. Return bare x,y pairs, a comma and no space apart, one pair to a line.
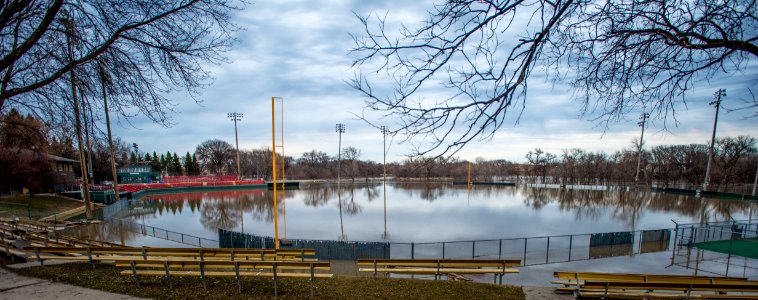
238,268
130,253
439,267
224,273
580,276
645,286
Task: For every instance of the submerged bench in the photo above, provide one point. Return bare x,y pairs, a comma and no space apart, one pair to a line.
225,268
439,267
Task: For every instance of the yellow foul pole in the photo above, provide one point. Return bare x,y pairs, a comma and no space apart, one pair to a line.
284,198
273,172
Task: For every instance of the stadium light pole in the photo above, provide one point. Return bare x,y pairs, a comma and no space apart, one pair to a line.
235,116
644,117
385,131
720,93
340,128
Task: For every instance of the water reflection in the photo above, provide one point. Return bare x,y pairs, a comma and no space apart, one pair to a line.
444,212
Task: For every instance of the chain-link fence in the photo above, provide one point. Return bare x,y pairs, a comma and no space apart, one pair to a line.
532,250
720,248
160,233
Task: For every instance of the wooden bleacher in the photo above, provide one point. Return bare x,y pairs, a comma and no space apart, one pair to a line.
226,268
117,254
439,267
591,285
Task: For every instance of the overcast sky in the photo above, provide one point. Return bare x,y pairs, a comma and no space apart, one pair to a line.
298,50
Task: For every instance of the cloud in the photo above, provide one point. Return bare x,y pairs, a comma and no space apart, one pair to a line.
298,50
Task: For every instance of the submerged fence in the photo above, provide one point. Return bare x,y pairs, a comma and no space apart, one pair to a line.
721,248
160,233
532,250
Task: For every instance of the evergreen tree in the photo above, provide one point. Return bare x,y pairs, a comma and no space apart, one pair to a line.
156,163
168,164
162,161
188,165
195,166
148,159
177,165
133,158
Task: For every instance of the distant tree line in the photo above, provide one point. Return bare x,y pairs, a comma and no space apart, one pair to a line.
734,162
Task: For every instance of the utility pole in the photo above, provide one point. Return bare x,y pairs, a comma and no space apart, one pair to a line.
720,93
385,131
235,116
104,82
69,24
644,117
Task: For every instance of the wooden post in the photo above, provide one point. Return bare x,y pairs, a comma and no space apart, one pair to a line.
36,252
89,256
276,287
312,281
202,269
134,273
237,273
168,275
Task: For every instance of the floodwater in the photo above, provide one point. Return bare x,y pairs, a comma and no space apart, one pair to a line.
425,212
449,221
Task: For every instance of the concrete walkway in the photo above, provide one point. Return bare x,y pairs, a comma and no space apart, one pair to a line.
544,293
14,286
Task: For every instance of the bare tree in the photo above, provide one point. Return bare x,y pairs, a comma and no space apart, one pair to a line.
215,155
147,49
351,154
541,162
619,55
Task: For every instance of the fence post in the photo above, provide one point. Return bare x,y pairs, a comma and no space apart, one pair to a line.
473,249
676,236
547,251
500,251
443,250
525,240
412,251
729,257
571,243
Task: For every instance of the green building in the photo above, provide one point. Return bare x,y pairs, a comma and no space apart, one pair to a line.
137,174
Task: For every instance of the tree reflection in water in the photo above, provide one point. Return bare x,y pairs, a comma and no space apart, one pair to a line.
226,209
629,206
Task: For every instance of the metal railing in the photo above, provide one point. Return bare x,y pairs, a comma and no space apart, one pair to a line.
717,247
160,233
531,250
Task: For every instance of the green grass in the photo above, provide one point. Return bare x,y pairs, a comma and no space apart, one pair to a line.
107,278
38,206
746,248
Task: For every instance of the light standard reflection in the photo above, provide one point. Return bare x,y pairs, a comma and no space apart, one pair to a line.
385,234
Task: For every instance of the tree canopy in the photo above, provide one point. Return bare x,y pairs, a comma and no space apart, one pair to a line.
619,56
138,51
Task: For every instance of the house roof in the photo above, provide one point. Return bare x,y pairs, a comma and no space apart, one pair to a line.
49,156
61,159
